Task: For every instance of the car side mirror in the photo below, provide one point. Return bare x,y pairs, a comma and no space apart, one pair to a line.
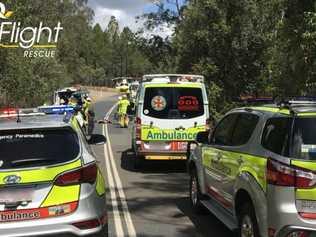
202,137
97,139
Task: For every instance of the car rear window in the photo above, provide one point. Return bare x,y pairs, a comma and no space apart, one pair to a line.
173,102
304,139
33,148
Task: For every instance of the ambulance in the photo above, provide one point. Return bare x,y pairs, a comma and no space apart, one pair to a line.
170,110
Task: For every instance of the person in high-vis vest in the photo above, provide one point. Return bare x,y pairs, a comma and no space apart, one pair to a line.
89,114
122,111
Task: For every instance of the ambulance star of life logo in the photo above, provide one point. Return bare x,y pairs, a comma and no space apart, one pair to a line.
3,13
158,103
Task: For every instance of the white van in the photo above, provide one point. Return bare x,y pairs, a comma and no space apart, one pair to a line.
170,110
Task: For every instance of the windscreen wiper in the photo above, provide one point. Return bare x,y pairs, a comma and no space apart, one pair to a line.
15,163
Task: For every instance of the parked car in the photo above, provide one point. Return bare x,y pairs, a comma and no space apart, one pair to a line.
256,172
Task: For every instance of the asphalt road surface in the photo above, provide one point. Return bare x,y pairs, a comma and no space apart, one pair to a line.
152,201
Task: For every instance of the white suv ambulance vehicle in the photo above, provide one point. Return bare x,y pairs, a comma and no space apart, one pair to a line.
170,110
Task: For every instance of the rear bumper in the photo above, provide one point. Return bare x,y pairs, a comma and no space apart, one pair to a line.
91,207
292,228
283,216
162,155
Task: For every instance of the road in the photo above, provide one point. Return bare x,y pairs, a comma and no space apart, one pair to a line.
152,201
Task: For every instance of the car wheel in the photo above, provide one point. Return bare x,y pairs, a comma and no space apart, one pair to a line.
248,226
195,193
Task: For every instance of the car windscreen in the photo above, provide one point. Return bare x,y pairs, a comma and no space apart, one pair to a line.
173,102
35,147
304,138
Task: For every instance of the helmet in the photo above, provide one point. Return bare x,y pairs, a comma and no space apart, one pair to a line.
124,96
89,99
120,97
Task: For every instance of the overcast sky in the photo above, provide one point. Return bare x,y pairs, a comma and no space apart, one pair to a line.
124,10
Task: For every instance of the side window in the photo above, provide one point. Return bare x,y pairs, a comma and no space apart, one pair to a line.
223,132
244,128
275,136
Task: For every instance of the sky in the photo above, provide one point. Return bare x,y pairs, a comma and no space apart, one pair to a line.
125,11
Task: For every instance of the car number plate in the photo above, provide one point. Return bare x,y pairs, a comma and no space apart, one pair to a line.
16,195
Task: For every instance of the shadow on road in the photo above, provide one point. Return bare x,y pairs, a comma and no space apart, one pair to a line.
150,166
160,196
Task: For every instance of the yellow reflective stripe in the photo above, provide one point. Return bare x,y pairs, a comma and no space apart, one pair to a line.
100,184
306,194
190,85
60,195
272,110
37,175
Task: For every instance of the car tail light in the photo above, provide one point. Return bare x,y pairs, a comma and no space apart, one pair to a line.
8,111
285,175
89,224
86,174
138,123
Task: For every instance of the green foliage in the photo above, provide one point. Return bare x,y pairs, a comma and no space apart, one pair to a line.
248,47
85,54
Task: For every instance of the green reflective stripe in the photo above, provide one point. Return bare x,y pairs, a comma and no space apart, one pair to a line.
38,175
272,110
156,134
189,85
231,166
306,114
60,195
310,165
100,184
306,194
74,122
256,166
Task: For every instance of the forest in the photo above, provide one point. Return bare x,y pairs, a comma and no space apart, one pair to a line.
242,47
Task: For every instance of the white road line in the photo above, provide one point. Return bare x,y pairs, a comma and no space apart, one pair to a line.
127,215
116,213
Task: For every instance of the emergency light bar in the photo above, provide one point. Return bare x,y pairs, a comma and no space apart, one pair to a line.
174,78
61,109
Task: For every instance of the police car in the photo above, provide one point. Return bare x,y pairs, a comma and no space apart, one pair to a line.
50,181
256,171
170,110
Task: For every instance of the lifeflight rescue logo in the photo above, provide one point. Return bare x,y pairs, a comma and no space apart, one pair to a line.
3,13
37,41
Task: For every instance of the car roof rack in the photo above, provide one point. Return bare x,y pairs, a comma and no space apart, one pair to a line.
173,78
297,104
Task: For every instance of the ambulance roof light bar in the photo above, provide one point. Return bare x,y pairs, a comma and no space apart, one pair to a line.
174,78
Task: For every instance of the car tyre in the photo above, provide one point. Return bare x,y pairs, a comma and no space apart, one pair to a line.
195,193
248,225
